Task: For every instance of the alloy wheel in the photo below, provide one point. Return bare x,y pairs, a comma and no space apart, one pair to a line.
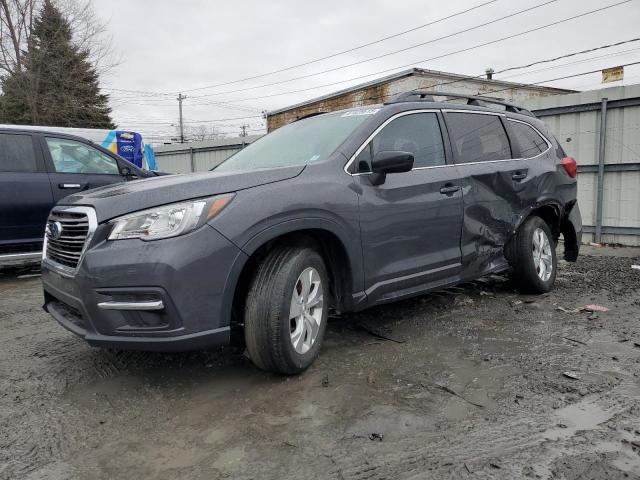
542,256
305,313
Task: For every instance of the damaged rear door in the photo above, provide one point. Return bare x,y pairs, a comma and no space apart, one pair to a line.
496,186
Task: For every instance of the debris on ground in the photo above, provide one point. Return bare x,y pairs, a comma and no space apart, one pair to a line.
568,310
376,437
325,380
377,333
587,308
444,388
635,267
371,379
463,300
595,308
575,341
571,375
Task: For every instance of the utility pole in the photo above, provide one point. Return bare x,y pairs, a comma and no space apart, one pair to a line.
243,133
180,98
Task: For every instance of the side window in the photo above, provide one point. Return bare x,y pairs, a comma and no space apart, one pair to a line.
527,141
70,156
416,133
17,153
477,137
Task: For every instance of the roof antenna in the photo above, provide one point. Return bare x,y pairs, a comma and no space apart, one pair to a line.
489,71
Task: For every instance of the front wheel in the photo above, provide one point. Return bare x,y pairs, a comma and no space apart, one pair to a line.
533,257
286,310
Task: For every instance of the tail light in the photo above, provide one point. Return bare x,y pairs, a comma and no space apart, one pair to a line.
570,165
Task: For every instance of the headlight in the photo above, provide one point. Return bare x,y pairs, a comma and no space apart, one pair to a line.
168,220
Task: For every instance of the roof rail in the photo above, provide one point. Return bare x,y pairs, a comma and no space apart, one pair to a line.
428,96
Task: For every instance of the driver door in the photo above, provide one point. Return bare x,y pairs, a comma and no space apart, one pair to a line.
75,166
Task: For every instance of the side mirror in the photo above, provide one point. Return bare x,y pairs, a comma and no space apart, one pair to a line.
392,161
389,161
127,172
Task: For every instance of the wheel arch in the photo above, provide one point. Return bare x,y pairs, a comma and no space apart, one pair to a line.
342,262
550,211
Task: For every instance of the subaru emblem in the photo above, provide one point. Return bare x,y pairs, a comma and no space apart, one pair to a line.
54,229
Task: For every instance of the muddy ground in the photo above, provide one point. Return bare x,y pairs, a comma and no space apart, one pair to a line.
471,383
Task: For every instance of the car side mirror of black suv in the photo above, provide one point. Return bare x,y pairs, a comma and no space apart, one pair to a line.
390,161
128,173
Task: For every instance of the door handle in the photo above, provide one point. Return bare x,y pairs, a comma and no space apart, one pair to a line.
449,189
69,185
519,176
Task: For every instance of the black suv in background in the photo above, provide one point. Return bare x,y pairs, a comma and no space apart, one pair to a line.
37,169
336,212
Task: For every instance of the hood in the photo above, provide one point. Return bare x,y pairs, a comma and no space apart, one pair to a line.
121,198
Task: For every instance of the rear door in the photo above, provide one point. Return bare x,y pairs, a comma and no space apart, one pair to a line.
492,181
75,166
410,224
25,193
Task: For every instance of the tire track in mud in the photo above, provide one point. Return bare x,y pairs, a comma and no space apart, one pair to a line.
440,457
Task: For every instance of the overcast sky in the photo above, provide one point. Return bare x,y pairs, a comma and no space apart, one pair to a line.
166,47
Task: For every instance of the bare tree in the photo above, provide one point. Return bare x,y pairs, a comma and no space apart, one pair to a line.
198,133
50,74
89,33
16,22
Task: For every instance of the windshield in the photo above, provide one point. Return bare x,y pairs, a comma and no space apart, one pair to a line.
298,143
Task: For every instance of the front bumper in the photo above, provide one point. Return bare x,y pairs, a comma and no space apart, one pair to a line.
170,294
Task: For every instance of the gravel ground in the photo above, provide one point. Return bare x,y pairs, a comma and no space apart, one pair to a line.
476,382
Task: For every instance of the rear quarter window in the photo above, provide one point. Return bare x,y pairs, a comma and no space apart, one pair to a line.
527,142
17,153
477,137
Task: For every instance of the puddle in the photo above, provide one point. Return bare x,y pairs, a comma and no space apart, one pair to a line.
580,416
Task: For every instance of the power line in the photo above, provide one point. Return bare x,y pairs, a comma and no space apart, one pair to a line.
377,57
349,50
538,62
575,62
170,122
589,50
555,79
473,47
309,62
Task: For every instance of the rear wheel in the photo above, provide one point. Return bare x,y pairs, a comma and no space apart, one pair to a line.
533,257
286,310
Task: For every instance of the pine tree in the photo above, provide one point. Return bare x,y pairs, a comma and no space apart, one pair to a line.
58,85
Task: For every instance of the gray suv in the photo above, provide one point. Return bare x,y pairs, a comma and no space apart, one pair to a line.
335,212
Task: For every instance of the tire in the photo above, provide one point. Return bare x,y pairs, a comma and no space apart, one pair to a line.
276,339
530,269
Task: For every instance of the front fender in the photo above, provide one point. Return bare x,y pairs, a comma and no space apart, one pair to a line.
351,246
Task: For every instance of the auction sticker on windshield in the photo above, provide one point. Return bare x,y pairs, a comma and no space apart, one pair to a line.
356,113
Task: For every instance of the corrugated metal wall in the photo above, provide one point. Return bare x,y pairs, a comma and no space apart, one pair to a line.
575,120
198,156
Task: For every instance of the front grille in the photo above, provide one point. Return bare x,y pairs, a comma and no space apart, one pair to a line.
66,235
